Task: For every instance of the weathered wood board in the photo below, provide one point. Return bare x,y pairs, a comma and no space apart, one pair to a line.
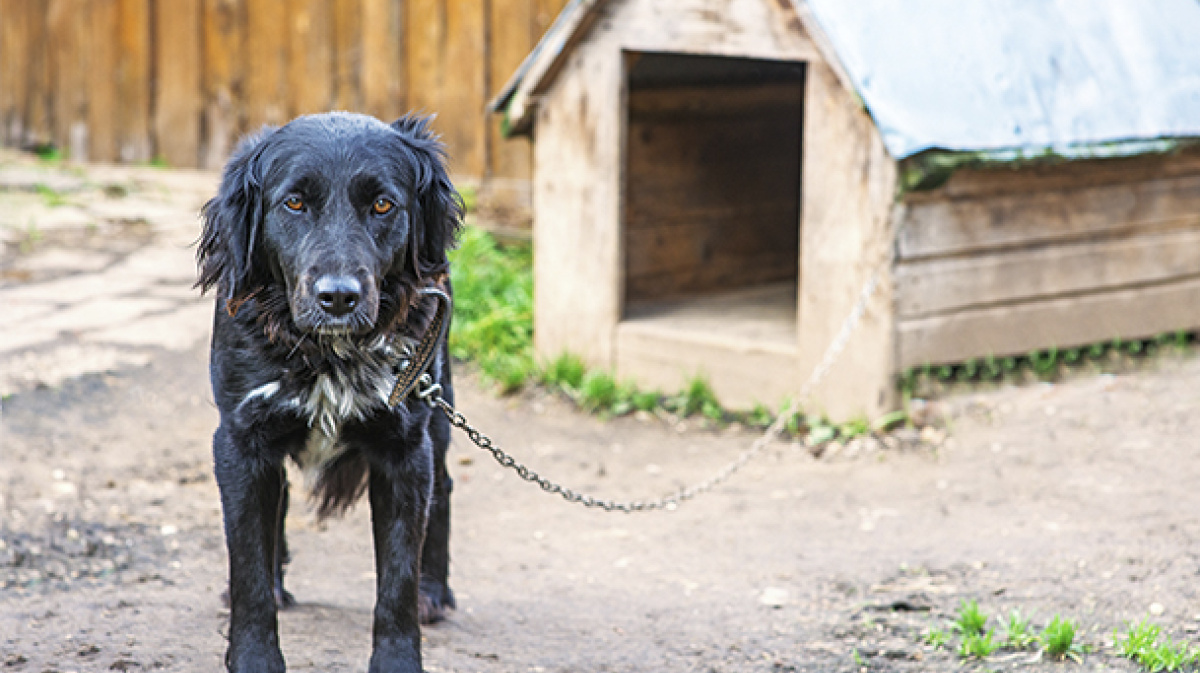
221,75
103,24
938,286
1065,322
132,81
310,61
999,262
178,103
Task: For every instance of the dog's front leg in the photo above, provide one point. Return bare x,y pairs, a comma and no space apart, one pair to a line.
250,498
399,501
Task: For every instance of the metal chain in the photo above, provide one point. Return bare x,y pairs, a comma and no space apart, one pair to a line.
431,393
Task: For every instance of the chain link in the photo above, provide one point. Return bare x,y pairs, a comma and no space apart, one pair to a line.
431,394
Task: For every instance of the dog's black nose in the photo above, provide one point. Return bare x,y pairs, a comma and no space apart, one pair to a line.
338,295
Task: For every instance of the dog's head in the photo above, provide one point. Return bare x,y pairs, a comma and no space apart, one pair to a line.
343,213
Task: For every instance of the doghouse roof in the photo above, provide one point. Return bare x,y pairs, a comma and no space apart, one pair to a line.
1007,79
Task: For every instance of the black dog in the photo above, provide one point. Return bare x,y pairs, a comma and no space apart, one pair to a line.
321,237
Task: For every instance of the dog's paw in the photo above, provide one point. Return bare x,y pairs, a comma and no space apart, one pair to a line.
434,601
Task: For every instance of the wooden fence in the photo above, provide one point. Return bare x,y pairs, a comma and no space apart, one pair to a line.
181,80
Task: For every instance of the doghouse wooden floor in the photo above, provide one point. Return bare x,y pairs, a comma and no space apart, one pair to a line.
744,341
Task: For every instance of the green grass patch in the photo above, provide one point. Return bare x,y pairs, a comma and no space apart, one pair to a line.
978,645
970,620
1059,639
697,397
493,308
1051,364
1154,651
50,196
1018,633
937,638
49,154
565,372
599,391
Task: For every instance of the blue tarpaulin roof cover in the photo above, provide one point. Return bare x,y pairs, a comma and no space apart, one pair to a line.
1021,78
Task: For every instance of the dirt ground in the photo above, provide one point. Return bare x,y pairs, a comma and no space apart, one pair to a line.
1078,498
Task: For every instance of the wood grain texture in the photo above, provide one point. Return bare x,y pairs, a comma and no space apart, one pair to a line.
347,54
513,32
544,13
37,122
67,33
177,104
14,69
983,182
846,224
744,343
425,55
101,92
961,226
461,118
310,56
261,62
265,50
1004,261
132,79
222,73
1063,323
939,286
576,195
382,77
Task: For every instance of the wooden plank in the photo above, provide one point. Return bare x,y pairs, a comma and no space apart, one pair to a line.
461,118
425,57
978,183
741,372
512,30
266,47
38,126
938,286
939,227
310,56
724,102
14,68
6,72
102,91
719,253
66,22
132,79
382,75
1067,322
576,194
222,77
347,54
742,28
177,88
849,183
544,13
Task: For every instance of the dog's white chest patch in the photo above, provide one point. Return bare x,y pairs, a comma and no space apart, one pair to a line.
334,400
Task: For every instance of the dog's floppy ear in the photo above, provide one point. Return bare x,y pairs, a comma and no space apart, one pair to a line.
232,222
439,209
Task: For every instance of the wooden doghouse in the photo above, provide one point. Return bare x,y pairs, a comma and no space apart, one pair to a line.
716,180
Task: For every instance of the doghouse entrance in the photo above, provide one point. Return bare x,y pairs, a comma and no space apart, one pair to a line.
711,212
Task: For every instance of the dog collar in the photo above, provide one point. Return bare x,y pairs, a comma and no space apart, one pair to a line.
416,362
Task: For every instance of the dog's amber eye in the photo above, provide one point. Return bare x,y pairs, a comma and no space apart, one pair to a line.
382,207
294,204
